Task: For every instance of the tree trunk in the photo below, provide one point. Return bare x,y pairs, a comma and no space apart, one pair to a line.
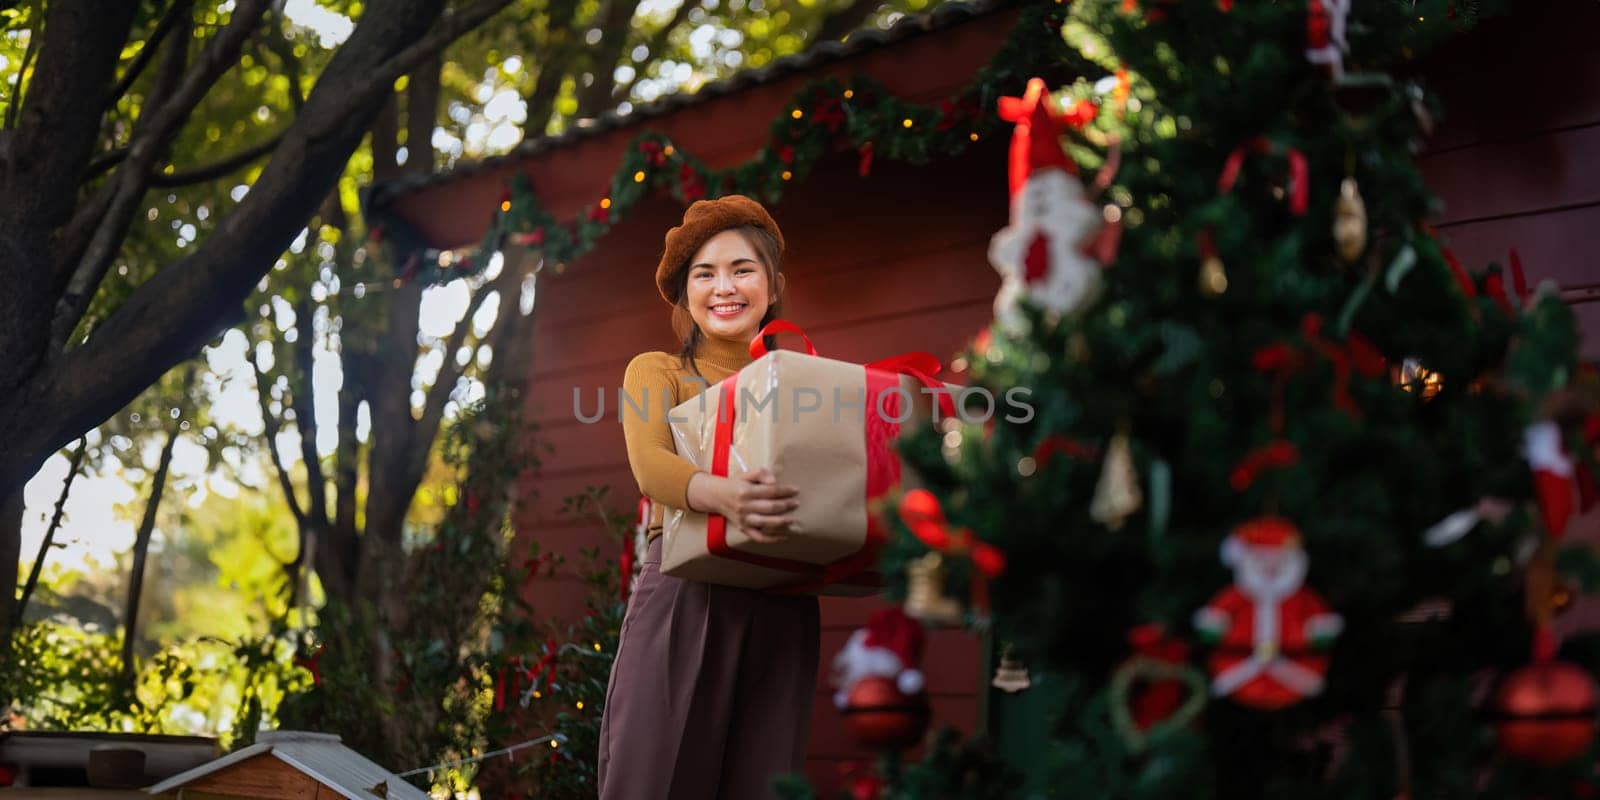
141,550
616,19
10,560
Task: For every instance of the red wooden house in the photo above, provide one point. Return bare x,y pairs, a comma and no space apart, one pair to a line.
895,260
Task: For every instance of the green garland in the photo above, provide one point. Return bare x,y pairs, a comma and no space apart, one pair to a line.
824,116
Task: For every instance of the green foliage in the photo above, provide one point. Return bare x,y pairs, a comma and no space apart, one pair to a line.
431,674
564,694
950,769
64,678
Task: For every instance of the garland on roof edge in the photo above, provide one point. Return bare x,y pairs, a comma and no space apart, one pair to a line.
824,116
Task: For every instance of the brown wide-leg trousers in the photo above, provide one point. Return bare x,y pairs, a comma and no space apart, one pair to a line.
711,692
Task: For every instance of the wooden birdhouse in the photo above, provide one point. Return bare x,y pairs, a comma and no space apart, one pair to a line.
290,764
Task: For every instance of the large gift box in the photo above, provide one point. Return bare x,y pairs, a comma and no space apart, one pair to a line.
823,426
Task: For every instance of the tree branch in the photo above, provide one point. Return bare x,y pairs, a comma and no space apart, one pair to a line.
541,102
450,28
175,313
449,372
280,46
616,19
422,115
304,397
269,430
845,21
169,21
56,129
151,137
74,466
217,169
654,46
141,546
27,61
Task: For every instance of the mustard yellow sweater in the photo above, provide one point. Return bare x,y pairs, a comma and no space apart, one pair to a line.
663,475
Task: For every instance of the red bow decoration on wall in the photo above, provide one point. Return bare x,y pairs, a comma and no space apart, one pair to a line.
312,664
530,567
508,683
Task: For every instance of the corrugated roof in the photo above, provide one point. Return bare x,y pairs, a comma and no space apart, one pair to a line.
861,41
320,756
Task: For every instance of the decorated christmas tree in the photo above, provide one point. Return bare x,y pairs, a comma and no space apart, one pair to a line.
1284,513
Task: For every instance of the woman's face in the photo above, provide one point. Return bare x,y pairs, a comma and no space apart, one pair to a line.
728,291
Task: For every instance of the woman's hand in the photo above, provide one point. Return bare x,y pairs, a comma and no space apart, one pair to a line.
755,501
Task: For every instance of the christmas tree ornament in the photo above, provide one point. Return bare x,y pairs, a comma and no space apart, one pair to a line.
1277,454
1545,713
1553,473
1041,254
1299,172
879,715
1458,524
926,597
1213,279
1539,583
1270,631
1325,28
921,512
1116,495
890,646
1350,222
1356,356
1012,675
861,781
1413,377
1155,688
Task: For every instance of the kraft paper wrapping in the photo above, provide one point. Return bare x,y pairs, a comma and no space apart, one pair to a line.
803,417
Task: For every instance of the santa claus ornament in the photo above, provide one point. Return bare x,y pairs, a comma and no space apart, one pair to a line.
1042,255
1270,631
878,684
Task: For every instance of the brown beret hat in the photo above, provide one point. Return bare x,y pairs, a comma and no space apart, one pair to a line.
701,221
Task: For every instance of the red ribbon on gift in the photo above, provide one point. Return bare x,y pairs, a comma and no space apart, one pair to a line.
883,466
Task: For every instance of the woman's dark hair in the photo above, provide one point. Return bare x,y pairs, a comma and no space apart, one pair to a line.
766,247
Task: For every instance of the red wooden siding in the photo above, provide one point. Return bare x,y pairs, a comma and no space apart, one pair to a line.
720,131
1517,160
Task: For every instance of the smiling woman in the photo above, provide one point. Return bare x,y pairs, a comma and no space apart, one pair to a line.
732,705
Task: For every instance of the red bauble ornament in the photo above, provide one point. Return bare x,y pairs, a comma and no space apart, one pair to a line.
1545,713
878,714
